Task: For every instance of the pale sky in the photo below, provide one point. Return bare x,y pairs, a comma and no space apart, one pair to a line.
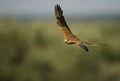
69,6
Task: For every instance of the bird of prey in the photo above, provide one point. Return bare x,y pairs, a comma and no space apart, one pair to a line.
69,37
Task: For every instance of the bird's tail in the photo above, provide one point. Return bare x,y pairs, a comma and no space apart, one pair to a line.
83,45
94,44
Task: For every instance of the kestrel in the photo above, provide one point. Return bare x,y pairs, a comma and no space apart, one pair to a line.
69,37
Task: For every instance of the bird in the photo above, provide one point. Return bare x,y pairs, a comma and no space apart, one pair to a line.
69,37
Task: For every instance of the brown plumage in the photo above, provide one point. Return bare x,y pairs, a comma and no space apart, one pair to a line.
69,37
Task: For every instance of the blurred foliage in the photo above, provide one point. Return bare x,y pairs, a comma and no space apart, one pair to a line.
34,51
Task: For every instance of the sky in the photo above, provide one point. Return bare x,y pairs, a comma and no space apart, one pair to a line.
43,7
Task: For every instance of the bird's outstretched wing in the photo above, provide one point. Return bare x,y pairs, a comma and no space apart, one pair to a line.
61,21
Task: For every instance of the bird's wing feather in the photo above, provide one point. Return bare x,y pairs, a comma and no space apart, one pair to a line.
61,21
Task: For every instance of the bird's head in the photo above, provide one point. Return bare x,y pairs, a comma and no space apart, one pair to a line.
65,40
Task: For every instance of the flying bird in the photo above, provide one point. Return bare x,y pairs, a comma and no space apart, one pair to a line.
69,37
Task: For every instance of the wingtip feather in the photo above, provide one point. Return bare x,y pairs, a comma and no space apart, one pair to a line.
58,11
84,47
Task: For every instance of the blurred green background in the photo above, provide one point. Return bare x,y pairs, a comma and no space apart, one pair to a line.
34,51
32,47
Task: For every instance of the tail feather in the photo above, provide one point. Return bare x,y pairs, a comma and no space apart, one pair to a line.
94,44
83,45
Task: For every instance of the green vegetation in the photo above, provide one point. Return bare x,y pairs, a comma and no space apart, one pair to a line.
34,51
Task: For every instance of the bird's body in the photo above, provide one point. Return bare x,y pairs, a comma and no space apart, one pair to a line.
69,37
